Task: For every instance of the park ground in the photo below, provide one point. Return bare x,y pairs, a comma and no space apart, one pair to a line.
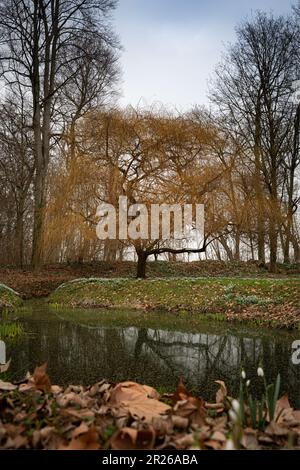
40,283
217,290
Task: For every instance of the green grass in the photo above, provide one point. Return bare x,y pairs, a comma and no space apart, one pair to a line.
10,330
9,299
179,294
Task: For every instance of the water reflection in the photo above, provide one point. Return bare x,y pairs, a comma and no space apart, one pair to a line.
79,353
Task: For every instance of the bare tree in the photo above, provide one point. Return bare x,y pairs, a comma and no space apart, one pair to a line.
17,170
41,43
253,90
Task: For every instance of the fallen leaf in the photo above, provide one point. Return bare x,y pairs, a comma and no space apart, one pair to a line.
86,441
275,429
180,422
7,386
192,408
82,429
135,399
218,436
186,441
78,414
181,392
4,367
222,392
16,442
133,439
41,379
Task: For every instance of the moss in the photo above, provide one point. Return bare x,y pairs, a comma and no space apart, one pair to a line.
9,299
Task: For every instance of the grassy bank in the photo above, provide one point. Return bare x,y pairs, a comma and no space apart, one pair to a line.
263,301
9,299
32,283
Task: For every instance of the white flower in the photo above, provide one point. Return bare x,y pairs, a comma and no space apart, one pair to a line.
233,416
248,383
230,445
260,372
243,374
235,406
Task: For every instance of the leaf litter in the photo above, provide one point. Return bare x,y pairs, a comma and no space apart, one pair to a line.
35,414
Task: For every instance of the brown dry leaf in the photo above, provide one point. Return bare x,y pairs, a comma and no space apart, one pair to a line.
263,439
218,407
283,402
222,392
55,389
86,441
25,387
4,367
7,386
181,392
74,399
43,435
145,408
41,379
193,408
249,439
185,441
135,399
180,422
283,411
275,429
211,444
127,390
151,392
78,414
133,439
163,425
16,442
82,429
296,415
219,436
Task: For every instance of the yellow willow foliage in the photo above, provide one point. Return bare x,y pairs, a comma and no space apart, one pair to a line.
70,217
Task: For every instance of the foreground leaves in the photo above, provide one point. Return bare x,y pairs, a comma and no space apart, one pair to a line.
36,414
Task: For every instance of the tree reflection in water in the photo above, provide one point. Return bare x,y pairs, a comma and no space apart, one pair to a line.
84,354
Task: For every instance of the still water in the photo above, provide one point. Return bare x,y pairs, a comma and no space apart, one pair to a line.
153,348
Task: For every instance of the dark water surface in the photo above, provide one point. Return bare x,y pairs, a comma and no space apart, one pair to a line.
153,348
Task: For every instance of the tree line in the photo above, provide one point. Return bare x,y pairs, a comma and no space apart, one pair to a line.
66,145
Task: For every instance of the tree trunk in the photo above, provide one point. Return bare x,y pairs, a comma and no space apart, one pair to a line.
39,193
273,235
39,182
237,252
19,239
141,264
258,184
226,248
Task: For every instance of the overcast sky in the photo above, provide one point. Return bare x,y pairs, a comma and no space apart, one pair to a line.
172,46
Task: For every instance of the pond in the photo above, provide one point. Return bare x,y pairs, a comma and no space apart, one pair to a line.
84,346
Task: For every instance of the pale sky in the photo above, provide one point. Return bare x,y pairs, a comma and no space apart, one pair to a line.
171,47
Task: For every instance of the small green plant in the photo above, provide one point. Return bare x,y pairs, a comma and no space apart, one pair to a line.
247,300
229,297
10,330
230,289
260,409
